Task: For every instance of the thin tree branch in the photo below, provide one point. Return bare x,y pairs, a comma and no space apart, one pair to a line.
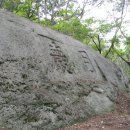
118,25
128,62
99,42
99,49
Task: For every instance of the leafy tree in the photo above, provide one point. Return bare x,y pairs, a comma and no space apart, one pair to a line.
10,5
74,28
27,9
54,10
47,9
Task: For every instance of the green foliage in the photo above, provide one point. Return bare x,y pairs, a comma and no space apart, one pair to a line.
127,45
11,5
26,9
46,23
105,27
74,28
89,21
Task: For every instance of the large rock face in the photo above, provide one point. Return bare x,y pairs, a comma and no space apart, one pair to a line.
48,80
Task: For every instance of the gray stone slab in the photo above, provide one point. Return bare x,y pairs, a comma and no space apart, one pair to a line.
49,80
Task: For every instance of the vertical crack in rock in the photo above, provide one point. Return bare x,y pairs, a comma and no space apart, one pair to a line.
102,73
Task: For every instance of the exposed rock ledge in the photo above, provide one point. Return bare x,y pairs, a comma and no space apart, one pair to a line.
49,80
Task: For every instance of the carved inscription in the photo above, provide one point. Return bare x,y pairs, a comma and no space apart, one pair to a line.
58,56
87,62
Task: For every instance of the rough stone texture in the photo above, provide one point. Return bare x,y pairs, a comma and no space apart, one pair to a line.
49,80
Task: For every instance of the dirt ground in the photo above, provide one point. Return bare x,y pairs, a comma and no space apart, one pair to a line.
117,120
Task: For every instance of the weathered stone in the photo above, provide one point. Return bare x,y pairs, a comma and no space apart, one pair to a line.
49,80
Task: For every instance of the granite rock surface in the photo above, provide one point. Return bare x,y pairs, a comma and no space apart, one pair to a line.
49,80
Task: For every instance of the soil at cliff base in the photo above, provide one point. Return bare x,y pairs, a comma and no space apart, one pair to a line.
117,120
